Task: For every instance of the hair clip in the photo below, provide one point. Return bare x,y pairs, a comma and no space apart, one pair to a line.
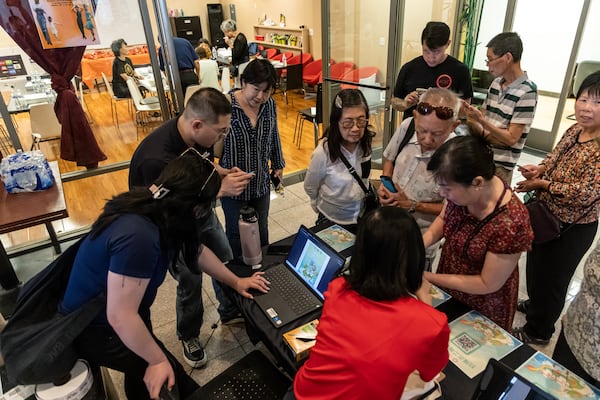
338,101
158,192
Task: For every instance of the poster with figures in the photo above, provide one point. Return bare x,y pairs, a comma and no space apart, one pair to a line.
555,379
474,339
65,23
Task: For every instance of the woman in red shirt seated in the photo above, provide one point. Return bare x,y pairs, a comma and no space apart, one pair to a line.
374,330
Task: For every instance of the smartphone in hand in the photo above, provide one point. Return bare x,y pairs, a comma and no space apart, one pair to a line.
388,183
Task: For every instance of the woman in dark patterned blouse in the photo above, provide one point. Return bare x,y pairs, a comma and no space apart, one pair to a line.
486,229
568,180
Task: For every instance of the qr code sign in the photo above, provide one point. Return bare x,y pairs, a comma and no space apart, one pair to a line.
466,343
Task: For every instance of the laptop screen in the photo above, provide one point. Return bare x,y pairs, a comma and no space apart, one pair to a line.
500,382
313,260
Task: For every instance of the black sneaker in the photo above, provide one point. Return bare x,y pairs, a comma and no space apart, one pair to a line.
232,319
193,353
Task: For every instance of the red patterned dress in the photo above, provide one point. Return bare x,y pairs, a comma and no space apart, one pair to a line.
508,232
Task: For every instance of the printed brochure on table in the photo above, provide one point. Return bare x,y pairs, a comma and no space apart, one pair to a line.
556,379
474,339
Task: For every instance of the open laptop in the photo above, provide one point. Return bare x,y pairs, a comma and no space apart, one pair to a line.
297,284
499,382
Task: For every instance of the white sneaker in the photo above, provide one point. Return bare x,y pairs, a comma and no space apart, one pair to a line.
193,353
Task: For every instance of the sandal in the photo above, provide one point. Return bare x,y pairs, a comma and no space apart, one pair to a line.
521,335
522,306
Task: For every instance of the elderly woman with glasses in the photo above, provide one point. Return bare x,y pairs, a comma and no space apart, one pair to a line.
486,228
405,159
334,192
125,259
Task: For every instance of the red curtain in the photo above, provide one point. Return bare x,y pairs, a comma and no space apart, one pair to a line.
78,142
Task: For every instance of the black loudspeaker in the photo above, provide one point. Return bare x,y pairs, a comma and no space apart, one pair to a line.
215,17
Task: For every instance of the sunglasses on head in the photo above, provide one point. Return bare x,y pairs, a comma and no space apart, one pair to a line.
205,158
441,112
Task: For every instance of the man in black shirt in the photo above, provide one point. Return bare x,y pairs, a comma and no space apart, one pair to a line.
434,68
204,121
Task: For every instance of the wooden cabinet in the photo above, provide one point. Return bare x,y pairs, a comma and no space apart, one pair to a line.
271,33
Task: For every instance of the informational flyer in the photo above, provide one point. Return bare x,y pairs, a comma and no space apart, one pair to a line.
438,296
555,379
337,237
474,339
65,23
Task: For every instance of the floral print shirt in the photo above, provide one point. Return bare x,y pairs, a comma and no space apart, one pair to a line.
573,168
582,320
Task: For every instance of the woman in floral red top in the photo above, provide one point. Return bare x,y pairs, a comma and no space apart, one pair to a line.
486,229
568,181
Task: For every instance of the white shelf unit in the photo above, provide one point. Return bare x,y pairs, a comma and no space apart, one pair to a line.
269,31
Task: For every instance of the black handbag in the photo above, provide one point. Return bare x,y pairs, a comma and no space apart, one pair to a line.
546,226
37,342
371,200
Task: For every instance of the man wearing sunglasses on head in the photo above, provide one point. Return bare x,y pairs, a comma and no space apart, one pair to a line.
205,121
508,110
408,152
435,68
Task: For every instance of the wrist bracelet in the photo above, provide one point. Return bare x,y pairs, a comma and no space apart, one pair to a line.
413,206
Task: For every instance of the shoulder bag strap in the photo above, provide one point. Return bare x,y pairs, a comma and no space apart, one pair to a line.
407,136
352,171
586,212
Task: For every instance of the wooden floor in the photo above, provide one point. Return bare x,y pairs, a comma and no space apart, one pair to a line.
86,197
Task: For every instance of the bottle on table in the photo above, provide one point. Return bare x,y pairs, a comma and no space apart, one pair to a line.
284,60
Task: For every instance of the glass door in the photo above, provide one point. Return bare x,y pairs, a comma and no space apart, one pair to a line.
356,40
367,45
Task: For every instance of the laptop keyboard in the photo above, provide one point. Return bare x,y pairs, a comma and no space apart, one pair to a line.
295,294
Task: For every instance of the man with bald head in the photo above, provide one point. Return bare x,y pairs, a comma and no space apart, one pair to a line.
408,152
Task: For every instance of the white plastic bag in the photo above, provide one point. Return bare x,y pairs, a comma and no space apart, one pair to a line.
26,172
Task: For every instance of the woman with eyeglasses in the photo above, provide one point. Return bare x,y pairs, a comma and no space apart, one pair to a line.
486,228
253,145
334,192
125,258
568,182
408,152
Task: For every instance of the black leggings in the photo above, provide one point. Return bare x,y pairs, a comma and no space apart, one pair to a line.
102,347
550,267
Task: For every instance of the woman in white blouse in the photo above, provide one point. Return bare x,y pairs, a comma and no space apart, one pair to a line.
335,194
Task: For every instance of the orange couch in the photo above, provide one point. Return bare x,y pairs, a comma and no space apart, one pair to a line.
94,63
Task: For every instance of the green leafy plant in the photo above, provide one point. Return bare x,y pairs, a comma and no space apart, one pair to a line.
469,20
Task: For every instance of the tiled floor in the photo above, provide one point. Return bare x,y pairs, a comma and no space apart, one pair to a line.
227,344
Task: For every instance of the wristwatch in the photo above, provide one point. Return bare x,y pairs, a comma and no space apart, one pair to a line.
413,206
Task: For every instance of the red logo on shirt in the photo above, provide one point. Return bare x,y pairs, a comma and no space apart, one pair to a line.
444,81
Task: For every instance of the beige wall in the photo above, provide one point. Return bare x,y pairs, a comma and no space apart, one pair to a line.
297,12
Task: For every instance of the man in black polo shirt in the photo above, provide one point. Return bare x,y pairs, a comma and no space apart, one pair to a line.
434,68
204,121
186,55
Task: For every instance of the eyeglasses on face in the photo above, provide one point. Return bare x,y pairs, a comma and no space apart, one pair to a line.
441,112
348,123
205,158
221,131
488,61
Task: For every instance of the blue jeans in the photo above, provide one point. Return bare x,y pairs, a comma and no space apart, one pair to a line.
231,209
189,306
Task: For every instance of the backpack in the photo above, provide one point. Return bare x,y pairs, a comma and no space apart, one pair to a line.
253,48
37,342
